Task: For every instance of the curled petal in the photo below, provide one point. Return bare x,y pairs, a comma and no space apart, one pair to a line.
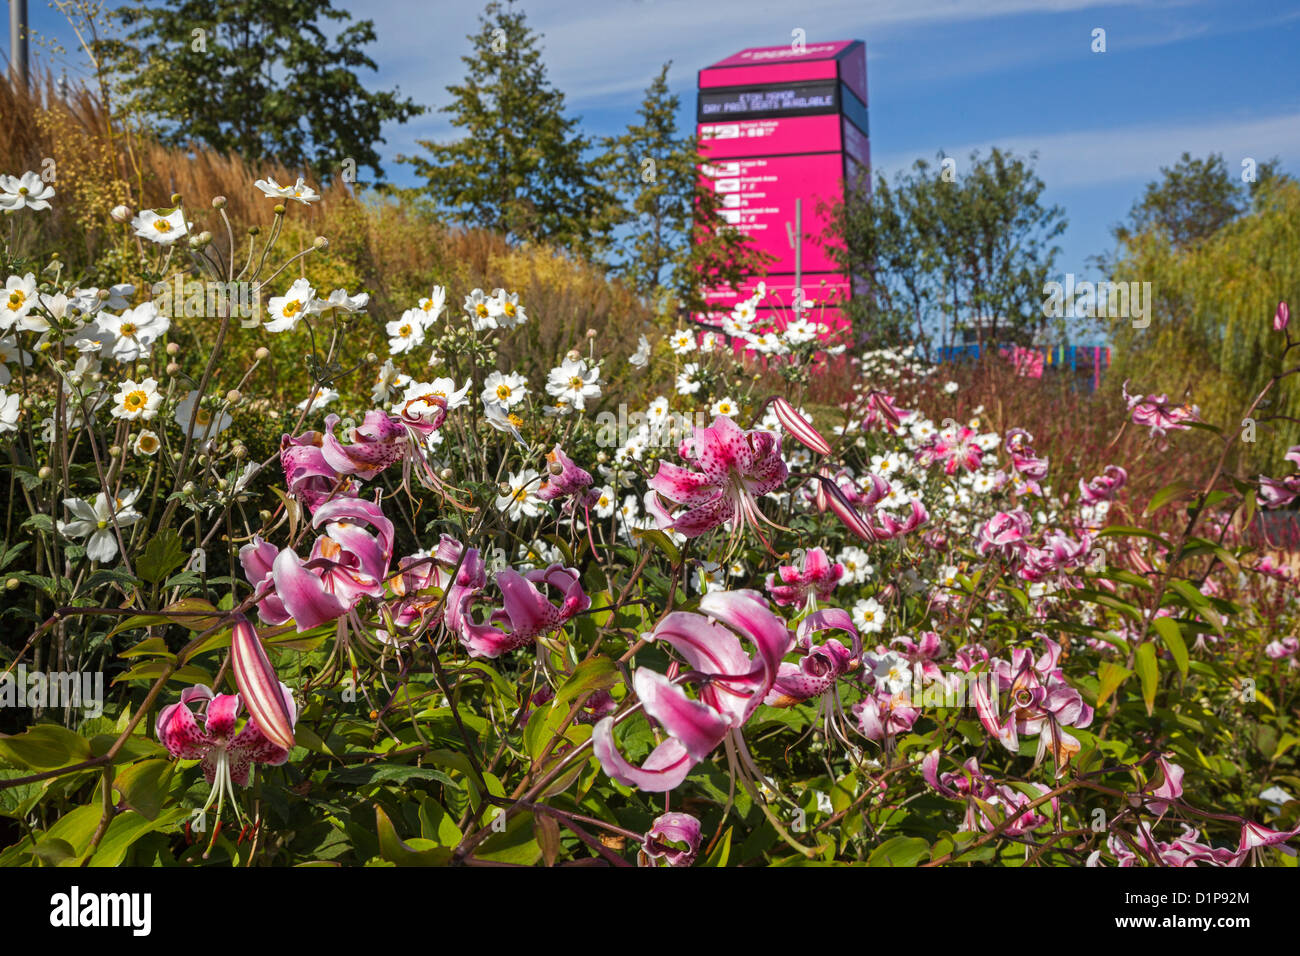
665,768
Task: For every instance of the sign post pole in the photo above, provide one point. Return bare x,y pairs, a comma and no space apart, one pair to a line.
798,259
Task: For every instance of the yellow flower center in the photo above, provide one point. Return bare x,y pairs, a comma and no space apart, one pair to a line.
292,307
576,383
520,494
481,310
147,444
503,392
135,401
16,299
514,419
510,309
404,331
128,330
162,225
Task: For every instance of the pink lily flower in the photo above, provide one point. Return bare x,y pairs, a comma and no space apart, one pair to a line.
662,843
419,574
731,685
1279,492
1004,533
307,475
347,563
1156,412
1104,487
226,756
882,411
816,580
820,665
1040,702
1169,789
729,470
923,654
882,716
529,613
1285,649
1254,837
564,479
969,782
954,449
376,443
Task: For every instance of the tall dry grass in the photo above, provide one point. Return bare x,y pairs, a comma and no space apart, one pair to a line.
395,251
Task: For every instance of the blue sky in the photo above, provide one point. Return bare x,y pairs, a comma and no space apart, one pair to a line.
942,74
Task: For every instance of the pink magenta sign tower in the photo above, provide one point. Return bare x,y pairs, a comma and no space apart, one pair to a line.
778,124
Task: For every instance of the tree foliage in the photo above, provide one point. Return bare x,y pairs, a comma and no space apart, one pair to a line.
1211,336
671,242
271,81
944,250
521,166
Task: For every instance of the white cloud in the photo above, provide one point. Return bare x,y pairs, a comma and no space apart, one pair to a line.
1130,153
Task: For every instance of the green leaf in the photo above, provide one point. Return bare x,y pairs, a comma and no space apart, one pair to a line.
1109,677
721,852
1168,493
126,829
598,673
44,747
516,845
1172,635
153,669
660,541
418,852
899,851
1149,673
162,555
143,786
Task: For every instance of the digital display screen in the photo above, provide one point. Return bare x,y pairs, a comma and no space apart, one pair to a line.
769,101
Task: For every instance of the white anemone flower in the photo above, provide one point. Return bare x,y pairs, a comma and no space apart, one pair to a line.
137,400
206,424
134,331
96,520
574,382
504,390
287,309
27,190
163,230
17,299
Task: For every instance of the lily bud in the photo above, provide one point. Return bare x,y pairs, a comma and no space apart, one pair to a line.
798,426
258,684
844,510
1281,317
121,213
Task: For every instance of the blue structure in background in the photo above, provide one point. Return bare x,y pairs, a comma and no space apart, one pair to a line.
1093,359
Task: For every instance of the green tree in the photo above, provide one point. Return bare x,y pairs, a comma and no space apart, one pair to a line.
671,243
261,79
1211,339
521,168
1193,200
941,250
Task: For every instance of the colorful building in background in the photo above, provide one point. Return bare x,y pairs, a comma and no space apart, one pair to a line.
778,124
